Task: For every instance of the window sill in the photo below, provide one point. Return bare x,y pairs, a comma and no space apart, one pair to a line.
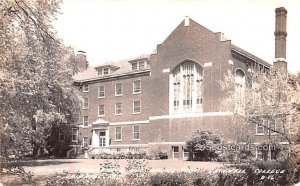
117,140
119,95
85,108
101,116
136,139
135,113
101,97
118,114
85,91
258,134
136,93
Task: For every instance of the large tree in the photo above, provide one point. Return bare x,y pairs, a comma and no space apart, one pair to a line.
268,99
36,71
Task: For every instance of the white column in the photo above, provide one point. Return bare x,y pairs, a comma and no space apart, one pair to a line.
180,109
95,139
106,137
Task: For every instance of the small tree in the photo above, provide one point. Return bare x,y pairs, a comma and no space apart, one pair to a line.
202,145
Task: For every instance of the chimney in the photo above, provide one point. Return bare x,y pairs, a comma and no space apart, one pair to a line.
280,33
82,64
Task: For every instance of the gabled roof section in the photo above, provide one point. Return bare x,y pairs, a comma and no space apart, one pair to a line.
181,30
246,54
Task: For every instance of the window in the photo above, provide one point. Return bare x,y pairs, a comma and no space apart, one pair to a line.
85,103
240,84
137,87
61,135
141,64
85,88
136,132
74,134
260,127
136,107
101,110
105,71
101,91
175,150
85,121
118,89
272,126
259,153
134,66
85,141
118,133
102,139
186,82
118,109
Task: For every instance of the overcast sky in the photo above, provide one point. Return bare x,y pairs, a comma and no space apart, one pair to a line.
119,29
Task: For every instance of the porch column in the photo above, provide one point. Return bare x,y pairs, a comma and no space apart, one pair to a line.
95,139
107,137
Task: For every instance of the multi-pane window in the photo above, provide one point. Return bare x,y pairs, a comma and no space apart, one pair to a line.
61,135
187,87
260,127
85,121
272,126
118,109
85,141
101,110
138,65
85,88
259,153
102,139
101,91
136,107
74,134
118,89
85,103
103,71
134,65
137,87
118,133
136,132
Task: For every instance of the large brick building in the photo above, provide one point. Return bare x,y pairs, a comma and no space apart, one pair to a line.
156,101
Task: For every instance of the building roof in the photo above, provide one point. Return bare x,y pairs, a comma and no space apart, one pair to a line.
124,67
249,55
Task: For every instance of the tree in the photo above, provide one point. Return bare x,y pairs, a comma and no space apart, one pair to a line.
36,71
267,100
203,145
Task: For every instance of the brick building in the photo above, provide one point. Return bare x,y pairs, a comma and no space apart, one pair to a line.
156,101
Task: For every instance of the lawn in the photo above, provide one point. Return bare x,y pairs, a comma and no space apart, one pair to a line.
43,168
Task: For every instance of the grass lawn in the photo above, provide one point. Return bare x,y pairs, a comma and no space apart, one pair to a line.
43,168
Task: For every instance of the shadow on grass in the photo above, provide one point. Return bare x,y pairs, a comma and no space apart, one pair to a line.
34,163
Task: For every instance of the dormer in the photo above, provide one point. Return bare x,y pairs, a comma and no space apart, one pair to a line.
139,64
106,70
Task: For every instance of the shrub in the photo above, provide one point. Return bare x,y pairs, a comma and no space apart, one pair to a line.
138,172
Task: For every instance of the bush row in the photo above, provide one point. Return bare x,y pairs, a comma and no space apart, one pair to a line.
119,155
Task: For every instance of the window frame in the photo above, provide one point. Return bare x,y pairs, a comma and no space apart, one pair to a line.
83,121
137,66
101,115
85,142
133,107
85,104
260,125
61,136
104,71
134,132
101,86
134,87
116,113
84,88
116,90
72,134
120,134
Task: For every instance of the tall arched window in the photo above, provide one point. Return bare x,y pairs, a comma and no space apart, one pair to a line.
187,88
240,83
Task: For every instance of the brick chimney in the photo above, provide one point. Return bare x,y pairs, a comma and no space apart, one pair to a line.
280,33
82,64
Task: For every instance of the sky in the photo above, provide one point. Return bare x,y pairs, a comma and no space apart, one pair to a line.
109,30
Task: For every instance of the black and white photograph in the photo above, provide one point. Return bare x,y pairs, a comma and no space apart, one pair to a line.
149,92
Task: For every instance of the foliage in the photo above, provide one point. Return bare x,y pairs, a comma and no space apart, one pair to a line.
138,172
261,98
119,155
13,168
201,145
35,76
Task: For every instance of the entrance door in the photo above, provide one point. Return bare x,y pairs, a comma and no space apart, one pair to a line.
102,140
175,150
